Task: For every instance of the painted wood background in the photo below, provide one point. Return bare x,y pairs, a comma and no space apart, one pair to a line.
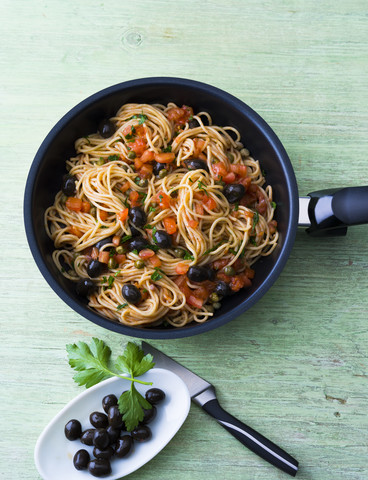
295,366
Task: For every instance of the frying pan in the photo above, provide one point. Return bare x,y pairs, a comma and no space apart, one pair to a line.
326,213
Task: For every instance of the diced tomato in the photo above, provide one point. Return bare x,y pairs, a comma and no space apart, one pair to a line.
219,170
199,144
219,264
181,282
179,115
74,204
138,163
103,215
123,215
166,157
170,225
199,209
155,261
134,198
240,170
138,146
137,131
147,156
223,277
125,187
195,302
239,281
199,196
116,240
164,200
182,268
94,253
201,293
245,182
261,206
75,231
272,226
86,207
146,253
210,203
249,272
104,256
229,177
146,170
193,223
120,258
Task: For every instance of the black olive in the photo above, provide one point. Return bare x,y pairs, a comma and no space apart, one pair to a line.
196,164
198,274
155,395
223,289
137,243
149,415
101,438
103,242
123,446
162,239
114,433
108,401
157,167
87,436
98,420
106,453
131,293
73,430
234,192
115,417
68,186
81,459
99,467
84,287
134,232
142,433
95,268
106,128
138,217
211,274
193,123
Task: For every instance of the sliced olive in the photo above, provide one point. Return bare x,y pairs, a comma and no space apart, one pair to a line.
131,293
155,395
162,239
101,438
103,242
95,268
138,216
196,164
198,274
98,419
137,243
234,192
106,128
87,436
81,459
115,417
149,415
84,287
106,453
73,429
157,167
123,446
141,433
99,467
68,185
223,289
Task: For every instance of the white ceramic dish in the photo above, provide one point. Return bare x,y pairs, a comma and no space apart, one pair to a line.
54,453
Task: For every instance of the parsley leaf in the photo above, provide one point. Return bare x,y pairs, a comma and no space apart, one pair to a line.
131,404
167,149
134,361
121,306
188,256
148,227
202,187
156,275
236,208
125,238
151,209
273,205
112,158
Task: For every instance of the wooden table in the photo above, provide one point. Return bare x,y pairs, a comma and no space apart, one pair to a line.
295,366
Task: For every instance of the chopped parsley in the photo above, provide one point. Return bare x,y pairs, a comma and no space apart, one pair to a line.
167,149
152,209
188,256
202,187
253,241
125,238
129,136
156,275
273,205
148,227
143,195
121,306
112,158
112,252
212,249
142,118
135,251
236,206
155,248
255,221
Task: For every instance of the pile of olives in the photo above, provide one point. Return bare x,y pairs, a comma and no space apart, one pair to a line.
109,437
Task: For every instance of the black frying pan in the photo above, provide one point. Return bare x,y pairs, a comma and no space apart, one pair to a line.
324,213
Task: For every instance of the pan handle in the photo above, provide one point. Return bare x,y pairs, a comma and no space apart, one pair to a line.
332,211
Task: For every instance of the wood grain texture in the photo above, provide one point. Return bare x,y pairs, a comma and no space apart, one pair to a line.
295,366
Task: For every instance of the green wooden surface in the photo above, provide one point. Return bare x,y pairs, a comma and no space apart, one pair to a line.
295,366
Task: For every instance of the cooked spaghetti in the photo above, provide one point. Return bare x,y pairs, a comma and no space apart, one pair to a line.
160,216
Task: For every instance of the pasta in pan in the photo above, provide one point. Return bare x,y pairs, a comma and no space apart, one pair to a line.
161,215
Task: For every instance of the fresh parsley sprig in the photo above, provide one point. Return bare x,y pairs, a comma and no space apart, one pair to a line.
93,365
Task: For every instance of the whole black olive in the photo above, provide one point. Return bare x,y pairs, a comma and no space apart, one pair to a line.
193,123
103,242
95,268
157,167
137,243
234,192
198,274
223,289
68,185
138,217
73,430
123,446
196,164
211,274
101,438
108,401
162,239
131,293
106,453
155,395
99,467
106,128
115,417
98,420
114,433
87,436
134,232
81,459
149,415
142,433
84,287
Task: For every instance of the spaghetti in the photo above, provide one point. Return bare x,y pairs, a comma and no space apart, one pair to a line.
161,215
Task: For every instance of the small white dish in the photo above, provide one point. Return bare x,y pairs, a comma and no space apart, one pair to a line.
54,453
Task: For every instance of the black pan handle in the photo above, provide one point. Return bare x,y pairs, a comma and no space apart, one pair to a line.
332,211
246,435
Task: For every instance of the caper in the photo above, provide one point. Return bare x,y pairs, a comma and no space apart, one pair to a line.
229,271
216,305
63,198
210,308
93,211
112,263
244,152
143,182
132,155
179,252
137,180
230,156
120,249
162,173
139,264
215,298
100,162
